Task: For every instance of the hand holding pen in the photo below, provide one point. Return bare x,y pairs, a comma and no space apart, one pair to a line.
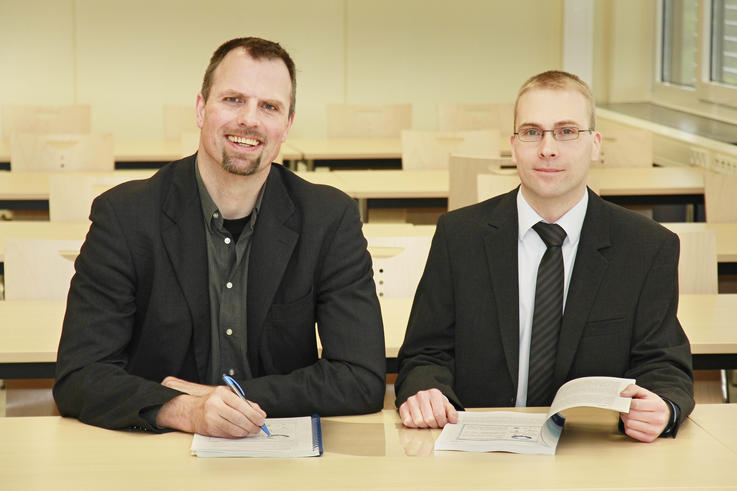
235,387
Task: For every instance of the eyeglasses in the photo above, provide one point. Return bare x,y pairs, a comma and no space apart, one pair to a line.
562,134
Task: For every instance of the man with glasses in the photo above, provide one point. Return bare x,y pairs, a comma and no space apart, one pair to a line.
545,284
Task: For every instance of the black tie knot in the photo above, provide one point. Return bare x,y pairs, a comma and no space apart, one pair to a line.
551,233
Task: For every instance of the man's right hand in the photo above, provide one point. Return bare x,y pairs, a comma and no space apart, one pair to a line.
427,409
214,412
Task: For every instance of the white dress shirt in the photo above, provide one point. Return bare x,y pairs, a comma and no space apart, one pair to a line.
530,250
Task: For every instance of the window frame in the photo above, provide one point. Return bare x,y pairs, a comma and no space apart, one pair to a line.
705,91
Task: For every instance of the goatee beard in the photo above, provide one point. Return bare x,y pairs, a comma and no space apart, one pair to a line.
230,167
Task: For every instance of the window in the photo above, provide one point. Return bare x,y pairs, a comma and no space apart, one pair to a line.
680,42
697,56
724,42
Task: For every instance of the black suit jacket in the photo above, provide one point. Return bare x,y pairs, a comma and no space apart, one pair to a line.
138,307
619,320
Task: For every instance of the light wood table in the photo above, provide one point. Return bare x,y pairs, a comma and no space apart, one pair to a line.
719,420
149,150
311,149
41,230
34,186
361,452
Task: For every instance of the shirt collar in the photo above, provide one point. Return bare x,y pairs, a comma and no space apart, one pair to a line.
209,208
571,221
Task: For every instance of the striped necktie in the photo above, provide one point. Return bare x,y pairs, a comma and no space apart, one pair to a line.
547,316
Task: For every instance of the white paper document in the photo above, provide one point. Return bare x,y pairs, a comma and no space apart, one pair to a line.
290,437
533,433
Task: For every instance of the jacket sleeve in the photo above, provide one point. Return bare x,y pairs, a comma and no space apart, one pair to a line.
427,356
660,357
349,378
92,383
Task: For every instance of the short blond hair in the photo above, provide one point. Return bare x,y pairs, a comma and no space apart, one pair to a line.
558,80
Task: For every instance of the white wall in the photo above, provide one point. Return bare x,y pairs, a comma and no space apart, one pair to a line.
126,59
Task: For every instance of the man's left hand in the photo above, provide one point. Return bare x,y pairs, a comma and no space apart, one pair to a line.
648,416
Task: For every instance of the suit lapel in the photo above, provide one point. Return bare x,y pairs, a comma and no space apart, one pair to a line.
274,240
501,252
588,271
183,235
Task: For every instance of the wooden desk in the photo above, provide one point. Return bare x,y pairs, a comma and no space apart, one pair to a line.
719,420
30,330
149,150
347,148
41,230
362,452
360,148
34,186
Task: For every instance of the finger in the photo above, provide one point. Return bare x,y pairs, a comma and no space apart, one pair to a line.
405,416
438,404
239,412
630,391
428,416
639,435
452,413
415,412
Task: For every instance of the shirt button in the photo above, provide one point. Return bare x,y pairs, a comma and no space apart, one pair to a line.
231,372
227,240
215,215
229,332
229,285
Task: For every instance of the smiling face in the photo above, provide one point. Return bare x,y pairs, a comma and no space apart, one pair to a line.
245,118
553,173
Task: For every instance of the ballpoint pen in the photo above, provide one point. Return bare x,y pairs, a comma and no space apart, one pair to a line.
235,387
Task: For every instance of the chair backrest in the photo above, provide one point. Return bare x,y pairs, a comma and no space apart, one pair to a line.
190,142
719,197
39,269
179,119
353,120
398,263
61,152
697,266
73,118
490,185
465,117
626,147
71,195
432,149
462,173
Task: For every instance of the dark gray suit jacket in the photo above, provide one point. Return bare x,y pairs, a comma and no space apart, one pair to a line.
619,320
138,307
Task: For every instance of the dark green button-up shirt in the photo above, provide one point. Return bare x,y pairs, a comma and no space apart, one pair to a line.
227,265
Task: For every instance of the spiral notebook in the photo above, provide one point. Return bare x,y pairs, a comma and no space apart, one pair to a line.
290,437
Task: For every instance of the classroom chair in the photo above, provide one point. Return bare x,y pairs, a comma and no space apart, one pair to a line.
432,149
625,147
71,195
490,185
398,263
373,121
719,197
462,173
179,119
74,118
61,152
465,117
36,269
